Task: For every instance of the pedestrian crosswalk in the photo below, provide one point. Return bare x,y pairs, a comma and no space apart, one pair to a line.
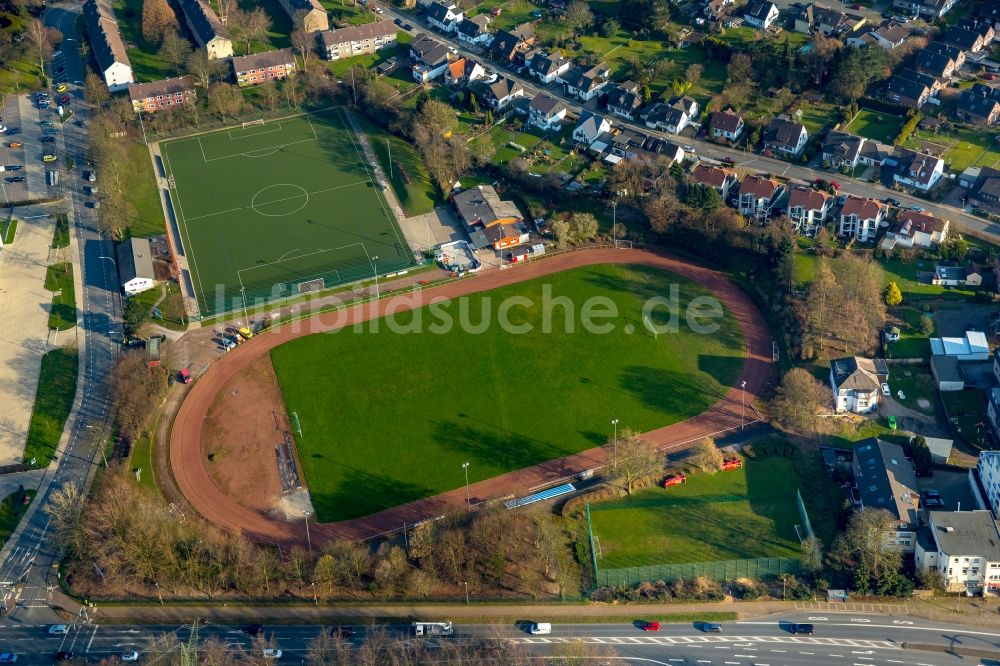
708,640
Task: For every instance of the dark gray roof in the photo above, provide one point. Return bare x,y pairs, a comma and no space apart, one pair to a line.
784,133
842,145
203,20
625,96
438,11
135,260
960,37
855,372
918,77
504,87
546,104
105,37
429,51
952,52
506,42
483,205
906,89
971,533
946,368
759,9
976,105
933,63
590,123
475,26
586,79
885,479
263,59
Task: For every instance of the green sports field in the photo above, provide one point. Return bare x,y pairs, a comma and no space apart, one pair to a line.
389,417
742,514
278,209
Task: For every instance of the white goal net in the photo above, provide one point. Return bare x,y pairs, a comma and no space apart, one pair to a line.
249,123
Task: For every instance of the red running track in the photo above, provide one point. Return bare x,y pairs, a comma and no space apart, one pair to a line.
195,483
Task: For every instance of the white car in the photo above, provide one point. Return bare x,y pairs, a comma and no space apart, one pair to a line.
3,129
59,629
688,149
885,390
540,629
130,656
272,653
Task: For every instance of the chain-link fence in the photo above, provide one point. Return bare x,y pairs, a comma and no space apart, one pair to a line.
719,570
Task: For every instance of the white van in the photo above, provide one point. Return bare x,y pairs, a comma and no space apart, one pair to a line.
541,629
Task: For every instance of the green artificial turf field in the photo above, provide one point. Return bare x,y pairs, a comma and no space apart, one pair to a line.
278,208
742,514
390,417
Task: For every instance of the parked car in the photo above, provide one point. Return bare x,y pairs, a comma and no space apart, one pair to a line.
47,139
674,480
7,657
58,629
3,129
15,179
90,175
51,130
130,656
540,629
14,144
885,389
892,423
18,167
407,26
398,22
272,653
802,628
892,202
49,157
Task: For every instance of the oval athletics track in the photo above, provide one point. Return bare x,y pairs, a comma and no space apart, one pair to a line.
192,476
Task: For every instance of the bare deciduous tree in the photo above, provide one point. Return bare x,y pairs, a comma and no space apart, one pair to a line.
706,456
632,459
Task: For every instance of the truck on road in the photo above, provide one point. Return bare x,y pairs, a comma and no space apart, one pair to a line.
433,629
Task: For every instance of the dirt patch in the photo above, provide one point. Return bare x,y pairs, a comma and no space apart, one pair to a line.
239,434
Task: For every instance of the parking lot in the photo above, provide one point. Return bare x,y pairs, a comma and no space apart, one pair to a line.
23,147
10,117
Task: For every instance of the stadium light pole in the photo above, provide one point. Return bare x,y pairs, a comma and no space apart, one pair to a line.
308,538
375,269
614,423
614,222
743,405
243,292
468,500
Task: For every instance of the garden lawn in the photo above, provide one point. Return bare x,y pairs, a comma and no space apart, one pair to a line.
60,238
53,401
145,213
875,125
906,276
390,417
964,147
967,409
59,280
743,514
20,76
917,384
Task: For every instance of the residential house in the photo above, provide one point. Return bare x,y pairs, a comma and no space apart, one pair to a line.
917,170
135,266
808,208
933,84
265,66
889,35
907,93
716,10
885,479
475,31
814,18
207,28
758,196
508,46
673,118
916,230
309,15
860,217
857,383
988,11
502,92
973,346
720,179
980,109
489,220
985,191
585,83
546,111
725,125
949,275
964,547
933,64
842,149
985,28
163,94
988,474
785,136
357,39
632,145
589,127
954,53
967,40
445,16
760,14
430,58
624,100
107,45
548,67
463,71
874,153
931,9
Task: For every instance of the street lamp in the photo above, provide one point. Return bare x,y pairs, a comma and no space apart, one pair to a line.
743,405
375,269
614,423
468,500
115,264
308,538
466,583
614,222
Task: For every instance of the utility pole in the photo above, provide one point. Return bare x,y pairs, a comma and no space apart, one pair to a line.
308,538
743,407
614,222
614,422
388,147
468,500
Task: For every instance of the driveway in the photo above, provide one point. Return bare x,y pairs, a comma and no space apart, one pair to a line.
910,420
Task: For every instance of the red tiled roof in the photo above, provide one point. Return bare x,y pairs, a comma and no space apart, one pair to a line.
807,198
759,186
865,209
710,175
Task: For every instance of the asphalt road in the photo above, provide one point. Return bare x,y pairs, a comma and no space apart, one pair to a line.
842,640
28,559
707,149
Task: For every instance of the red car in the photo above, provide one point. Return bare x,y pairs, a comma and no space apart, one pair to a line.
674,480
731,464
651,626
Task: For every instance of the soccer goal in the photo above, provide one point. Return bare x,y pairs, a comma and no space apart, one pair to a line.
249,123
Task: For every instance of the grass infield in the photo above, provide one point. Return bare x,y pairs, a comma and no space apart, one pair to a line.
389,418
269,207
697,521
